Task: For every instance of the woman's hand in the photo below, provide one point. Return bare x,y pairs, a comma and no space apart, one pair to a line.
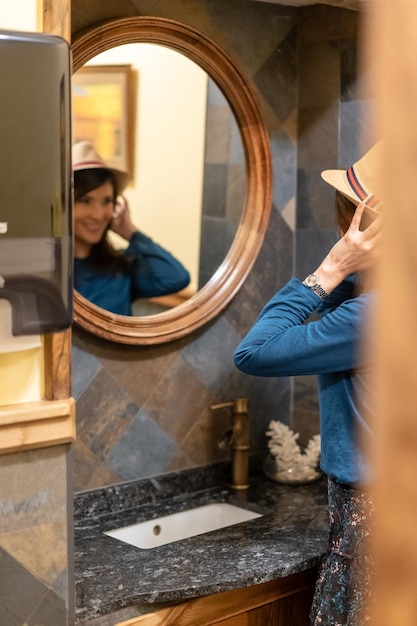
356,251
121,223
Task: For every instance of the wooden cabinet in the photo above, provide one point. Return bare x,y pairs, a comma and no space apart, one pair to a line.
283,602
47,422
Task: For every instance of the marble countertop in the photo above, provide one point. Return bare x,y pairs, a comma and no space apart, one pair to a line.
110,575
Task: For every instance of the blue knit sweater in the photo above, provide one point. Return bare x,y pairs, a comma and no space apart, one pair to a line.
153,272
281,344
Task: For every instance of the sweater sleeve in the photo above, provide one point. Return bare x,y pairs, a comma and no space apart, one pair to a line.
280,343
155,272
345,291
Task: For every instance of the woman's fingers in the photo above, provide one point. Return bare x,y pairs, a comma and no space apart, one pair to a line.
357,216
120,206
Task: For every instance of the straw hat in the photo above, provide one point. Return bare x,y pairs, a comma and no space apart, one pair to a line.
361,180
85,157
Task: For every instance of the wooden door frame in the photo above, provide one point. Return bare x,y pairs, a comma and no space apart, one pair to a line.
56,20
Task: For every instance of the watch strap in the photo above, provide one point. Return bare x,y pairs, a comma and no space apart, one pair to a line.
312,282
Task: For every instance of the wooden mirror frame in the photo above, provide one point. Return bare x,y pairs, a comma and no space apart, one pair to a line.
213,297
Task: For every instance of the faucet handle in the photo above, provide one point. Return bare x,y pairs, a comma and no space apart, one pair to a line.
240,405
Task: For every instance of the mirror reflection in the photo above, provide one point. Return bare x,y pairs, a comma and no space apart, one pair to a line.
177,137
107,277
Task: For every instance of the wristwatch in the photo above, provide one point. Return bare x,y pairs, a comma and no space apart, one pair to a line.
313,282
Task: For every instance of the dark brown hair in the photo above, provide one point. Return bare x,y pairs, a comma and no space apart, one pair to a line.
102,254
345,210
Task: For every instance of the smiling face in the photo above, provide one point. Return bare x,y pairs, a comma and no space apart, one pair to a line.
93,213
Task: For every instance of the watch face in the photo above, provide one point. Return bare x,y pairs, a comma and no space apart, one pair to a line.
312,280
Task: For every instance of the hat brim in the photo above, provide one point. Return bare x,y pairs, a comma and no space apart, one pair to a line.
338,180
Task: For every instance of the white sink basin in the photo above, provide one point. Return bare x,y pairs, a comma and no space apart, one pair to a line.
177,526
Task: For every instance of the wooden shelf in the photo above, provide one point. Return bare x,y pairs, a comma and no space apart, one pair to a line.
36,424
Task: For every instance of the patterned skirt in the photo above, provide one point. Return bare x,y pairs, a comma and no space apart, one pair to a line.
342,591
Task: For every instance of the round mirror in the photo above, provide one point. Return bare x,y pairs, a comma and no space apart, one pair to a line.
208,295
153,112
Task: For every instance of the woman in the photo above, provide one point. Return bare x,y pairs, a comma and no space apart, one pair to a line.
114,279
281,344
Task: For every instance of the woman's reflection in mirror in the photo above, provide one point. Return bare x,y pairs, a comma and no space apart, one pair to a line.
113,279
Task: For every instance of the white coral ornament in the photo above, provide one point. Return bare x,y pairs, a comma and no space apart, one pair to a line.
287,463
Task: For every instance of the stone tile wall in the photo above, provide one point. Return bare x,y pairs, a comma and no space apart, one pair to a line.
36,552
224,183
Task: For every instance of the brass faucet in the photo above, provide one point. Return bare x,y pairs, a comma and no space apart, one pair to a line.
237,438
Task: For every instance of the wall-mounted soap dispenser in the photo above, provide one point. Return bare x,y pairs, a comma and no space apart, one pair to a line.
35,182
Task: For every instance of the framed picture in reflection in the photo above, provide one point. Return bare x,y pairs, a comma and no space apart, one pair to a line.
102,112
